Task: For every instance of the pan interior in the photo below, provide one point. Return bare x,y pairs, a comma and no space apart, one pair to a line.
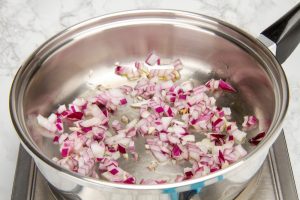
68,69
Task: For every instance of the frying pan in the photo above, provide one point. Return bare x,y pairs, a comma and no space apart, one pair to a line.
60,70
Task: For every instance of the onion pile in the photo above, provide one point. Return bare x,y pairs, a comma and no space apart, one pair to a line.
91,139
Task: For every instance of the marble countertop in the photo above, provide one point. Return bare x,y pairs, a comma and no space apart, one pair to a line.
25,24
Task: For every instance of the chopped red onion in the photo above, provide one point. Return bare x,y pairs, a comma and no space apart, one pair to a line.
79,102
61,109
152,59
52,118
45,123
239,136
65,152
176,151
123,101
226,86
166,114
250,122
75,116
159,109
91,122
178,65
257,139
219,84
119,70
98,149
55,139
240,149
116,125
121,149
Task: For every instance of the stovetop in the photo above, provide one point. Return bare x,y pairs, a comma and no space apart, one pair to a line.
274,181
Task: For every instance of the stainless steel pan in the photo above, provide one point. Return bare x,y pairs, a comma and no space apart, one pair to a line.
60,70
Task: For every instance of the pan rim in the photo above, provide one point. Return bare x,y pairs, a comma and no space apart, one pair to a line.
273,131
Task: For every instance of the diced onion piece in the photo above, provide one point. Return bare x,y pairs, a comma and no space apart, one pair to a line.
91,122
61,109
257,139
52,118
239,136
226,86
240,149
98,149
188,138
75,116
250,122
79,101
152,59
45,123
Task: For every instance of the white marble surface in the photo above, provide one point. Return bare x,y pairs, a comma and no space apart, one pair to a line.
25,24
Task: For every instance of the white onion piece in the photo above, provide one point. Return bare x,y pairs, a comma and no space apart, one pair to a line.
91,122
98,149
96,112
188,138
239,136
240,149
61,109
166,122
79,101
139,104
45,123
152,59
52,118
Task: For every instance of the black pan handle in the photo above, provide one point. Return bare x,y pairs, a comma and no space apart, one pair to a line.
285,32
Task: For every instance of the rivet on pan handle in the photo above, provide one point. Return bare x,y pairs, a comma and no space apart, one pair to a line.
285,32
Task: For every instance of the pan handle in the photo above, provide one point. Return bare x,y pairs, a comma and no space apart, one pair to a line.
285,33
